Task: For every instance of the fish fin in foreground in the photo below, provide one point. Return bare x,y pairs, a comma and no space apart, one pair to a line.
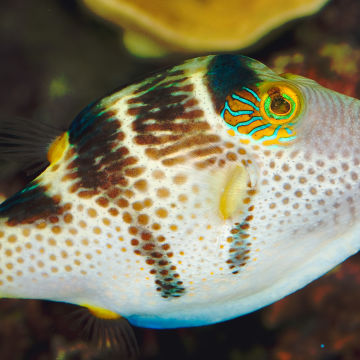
107,330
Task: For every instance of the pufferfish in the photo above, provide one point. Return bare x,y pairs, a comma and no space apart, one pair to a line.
202,193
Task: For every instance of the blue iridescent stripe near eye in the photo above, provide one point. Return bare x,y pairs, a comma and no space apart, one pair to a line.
273,136
234,113
245,101
261,127
243,119
243,112
290,138
254,118
253,93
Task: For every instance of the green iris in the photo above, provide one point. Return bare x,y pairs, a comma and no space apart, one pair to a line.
279,107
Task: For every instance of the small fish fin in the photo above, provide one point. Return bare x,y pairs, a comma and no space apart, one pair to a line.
27,142
108,331
233,191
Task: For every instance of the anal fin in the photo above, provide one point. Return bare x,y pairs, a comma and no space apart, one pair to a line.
108,331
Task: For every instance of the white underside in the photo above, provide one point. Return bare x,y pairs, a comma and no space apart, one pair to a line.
332,253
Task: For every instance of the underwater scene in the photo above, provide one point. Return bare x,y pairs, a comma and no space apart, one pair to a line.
179,179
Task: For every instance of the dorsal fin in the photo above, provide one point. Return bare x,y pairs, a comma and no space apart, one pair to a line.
26,142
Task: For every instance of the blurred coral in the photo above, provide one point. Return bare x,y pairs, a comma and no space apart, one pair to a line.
152,28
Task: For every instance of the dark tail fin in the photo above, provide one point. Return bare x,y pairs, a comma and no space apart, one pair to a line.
26,141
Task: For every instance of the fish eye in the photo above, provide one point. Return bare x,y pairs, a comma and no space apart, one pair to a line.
267,112
280,104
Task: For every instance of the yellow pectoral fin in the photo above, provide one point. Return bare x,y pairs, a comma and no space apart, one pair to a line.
57,148
102,313
234,192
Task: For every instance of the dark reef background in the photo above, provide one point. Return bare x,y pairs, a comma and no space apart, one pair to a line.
56,58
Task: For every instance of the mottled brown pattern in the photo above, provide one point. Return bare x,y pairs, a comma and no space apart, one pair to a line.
240,243
187,142
100,161
168,121
158,255
29,205
239,250
95,134
206,163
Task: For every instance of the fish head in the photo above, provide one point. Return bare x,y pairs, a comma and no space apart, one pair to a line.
303,140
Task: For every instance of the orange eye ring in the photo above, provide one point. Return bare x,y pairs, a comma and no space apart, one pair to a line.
280,103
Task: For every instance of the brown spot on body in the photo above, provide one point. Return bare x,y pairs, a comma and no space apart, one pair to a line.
127,218
123,203
69,242
113,212
148,202
92,213
156,226
137,205
68,218
163,192
143,219
106,221
180,179
134,172
231,156
133,230
161,212
174,161
56,229
141,185
202,152
97,230
113,192
158,174
52,242
12,239
8,252
86,194
53,219
102,201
